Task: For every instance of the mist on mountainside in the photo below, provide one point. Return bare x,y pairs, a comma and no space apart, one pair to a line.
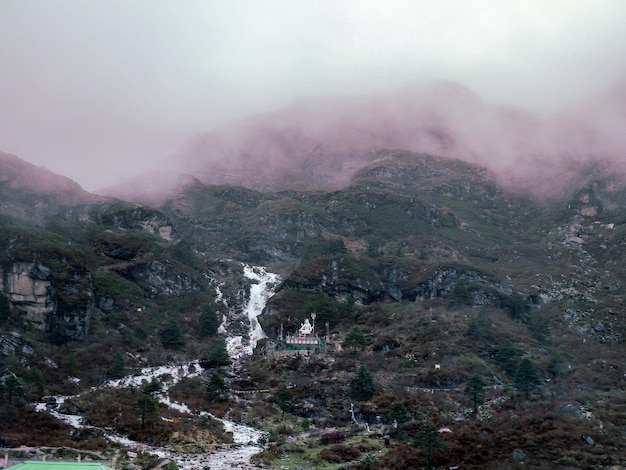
318,143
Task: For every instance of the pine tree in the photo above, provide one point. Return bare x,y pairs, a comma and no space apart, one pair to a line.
284,399
507,358
526,378
217,354
13,388
118,366
147,409
209,321
216,387
429,439
70,364
171,336
33,377
398,412
475,388
152,387
480,327
519,307
362,386
354,339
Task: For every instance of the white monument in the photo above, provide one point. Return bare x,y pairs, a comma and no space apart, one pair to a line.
306,328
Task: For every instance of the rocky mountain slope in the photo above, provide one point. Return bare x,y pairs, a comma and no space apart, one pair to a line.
444,269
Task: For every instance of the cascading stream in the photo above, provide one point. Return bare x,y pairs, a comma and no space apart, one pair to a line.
260,291
245,438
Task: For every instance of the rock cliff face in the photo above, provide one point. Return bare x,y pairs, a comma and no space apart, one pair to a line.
71,318
398,282
135,217
29,290
62,309
159,279
126,216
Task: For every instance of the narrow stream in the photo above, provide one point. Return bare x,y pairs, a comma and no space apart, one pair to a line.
235,456
246,439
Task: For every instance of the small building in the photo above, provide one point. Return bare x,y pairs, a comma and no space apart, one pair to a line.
305,341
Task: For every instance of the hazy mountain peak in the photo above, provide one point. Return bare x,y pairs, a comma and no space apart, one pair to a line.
20,174
151,188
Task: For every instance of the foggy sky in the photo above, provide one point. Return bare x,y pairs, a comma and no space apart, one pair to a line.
100,89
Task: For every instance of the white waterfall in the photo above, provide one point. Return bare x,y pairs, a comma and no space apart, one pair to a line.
260,291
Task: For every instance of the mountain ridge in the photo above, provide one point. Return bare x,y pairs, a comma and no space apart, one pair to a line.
320,143
431,258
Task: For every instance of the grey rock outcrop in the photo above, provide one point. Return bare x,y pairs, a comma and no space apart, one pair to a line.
400,282
61,309
28,288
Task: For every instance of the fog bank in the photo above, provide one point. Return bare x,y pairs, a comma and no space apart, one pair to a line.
104,89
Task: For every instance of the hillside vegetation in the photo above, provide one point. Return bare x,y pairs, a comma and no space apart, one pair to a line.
453,302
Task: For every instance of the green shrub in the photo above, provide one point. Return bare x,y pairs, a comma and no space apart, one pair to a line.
120,289
480,327
318,247
184,253
518,307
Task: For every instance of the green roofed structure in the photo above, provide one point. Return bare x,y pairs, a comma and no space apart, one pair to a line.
43,465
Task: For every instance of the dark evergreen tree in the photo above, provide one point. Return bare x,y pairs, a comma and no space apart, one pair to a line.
480,327
284,399
374,248
461,295
354,339
185,253
33,378
117,369
475,388
519,307
398,412
526,378
506,357
152,387
216,387
217,354
429,439
209,321
70,364
362,386
147,409
553,368
13,388
171,336
539,327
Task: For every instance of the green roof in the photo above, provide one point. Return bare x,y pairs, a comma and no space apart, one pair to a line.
42,465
